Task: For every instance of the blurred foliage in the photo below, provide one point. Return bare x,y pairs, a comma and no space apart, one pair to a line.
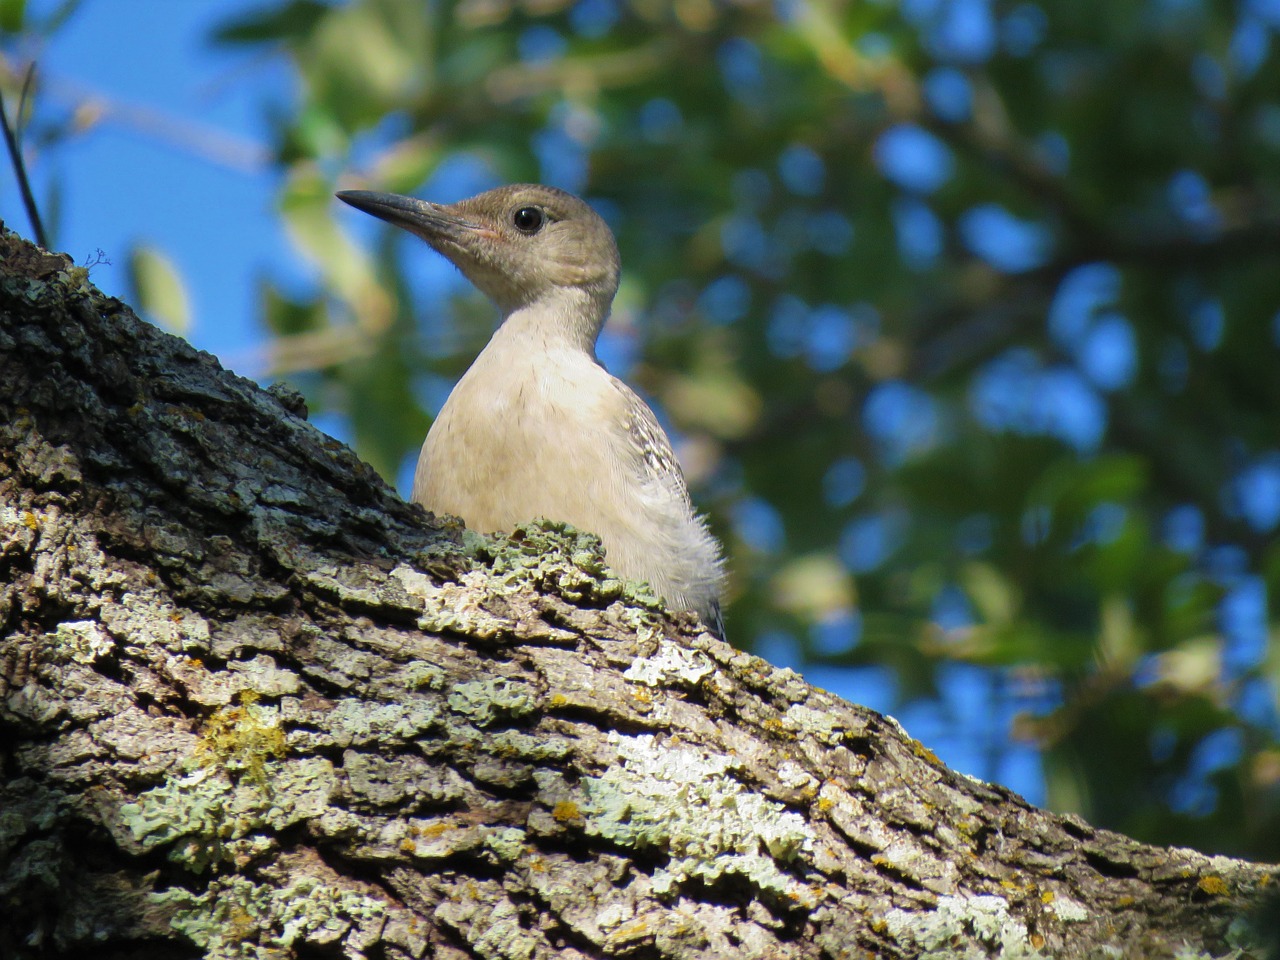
158,290
964,312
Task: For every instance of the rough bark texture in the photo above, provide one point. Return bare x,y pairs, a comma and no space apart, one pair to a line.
252,704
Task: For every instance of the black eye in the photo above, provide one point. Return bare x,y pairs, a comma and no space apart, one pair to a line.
528,219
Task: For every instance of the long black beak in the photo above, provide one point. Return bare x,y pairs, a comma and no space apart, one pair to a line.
431,221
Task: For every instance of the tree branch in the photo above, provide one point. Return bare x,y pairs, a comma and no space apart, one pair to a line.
250,701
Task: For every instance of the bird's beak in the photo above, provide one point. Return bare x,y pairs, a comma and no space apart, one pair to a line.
432,222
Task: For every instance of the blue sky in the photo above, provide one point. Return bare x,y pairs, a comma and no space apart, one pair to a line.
133,177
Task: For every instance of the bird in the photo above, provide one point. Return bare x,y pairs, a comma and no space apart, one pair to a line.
537,427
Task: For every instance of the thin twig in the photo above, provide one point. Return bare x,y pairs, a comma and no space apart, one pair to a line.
24,97
12,137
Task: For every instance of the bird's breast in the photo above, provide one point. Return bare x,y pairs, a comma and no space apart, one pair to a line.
525,440
515,443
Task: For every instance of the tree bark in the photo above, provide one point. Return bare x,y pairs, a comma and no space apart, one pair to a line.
254,705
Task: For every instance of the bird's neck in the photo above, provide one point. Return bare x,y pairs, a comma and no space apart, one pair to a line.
570,319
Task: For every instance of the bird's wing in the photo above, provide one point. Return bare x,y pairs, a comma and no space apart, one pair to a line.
651,444
715,623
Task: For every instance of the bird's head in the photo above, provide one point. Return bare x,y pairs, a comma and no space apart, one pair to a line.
520,245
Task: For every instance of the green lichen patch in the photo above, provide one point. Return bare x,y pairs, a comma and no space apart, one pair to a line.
83,641
237,919
190,812
355,586
260,677
823,726
514,745
685,802
358,722
638,614
204,818
558,558
1064,908
483,701
541,556
490,923
151,622
672,665
507,843
982,926
388,781
454,606
421,675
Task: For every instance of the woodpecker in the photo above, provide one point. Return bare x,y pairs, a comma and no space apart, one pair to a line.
537,427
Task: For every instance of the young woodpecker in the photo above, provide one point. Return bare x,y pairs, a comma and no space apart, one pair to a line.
537,427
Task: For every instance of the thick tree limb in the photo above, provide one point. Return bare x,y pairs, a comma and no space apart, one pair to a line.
252,704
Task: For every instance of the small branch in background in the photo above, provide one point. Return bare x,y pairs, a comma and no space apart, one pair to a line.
13,140
192,137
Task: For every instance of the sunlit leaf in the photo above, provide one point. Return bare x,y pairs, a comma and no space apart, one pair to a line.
404,167
814,587
159,289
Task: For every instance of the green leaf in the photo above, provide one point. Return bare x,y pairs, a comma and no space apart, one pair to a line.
291,21
158,289
285,316
13,15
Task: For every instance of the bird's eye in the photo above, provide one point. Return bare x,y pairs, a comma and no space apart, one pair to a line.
528,220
